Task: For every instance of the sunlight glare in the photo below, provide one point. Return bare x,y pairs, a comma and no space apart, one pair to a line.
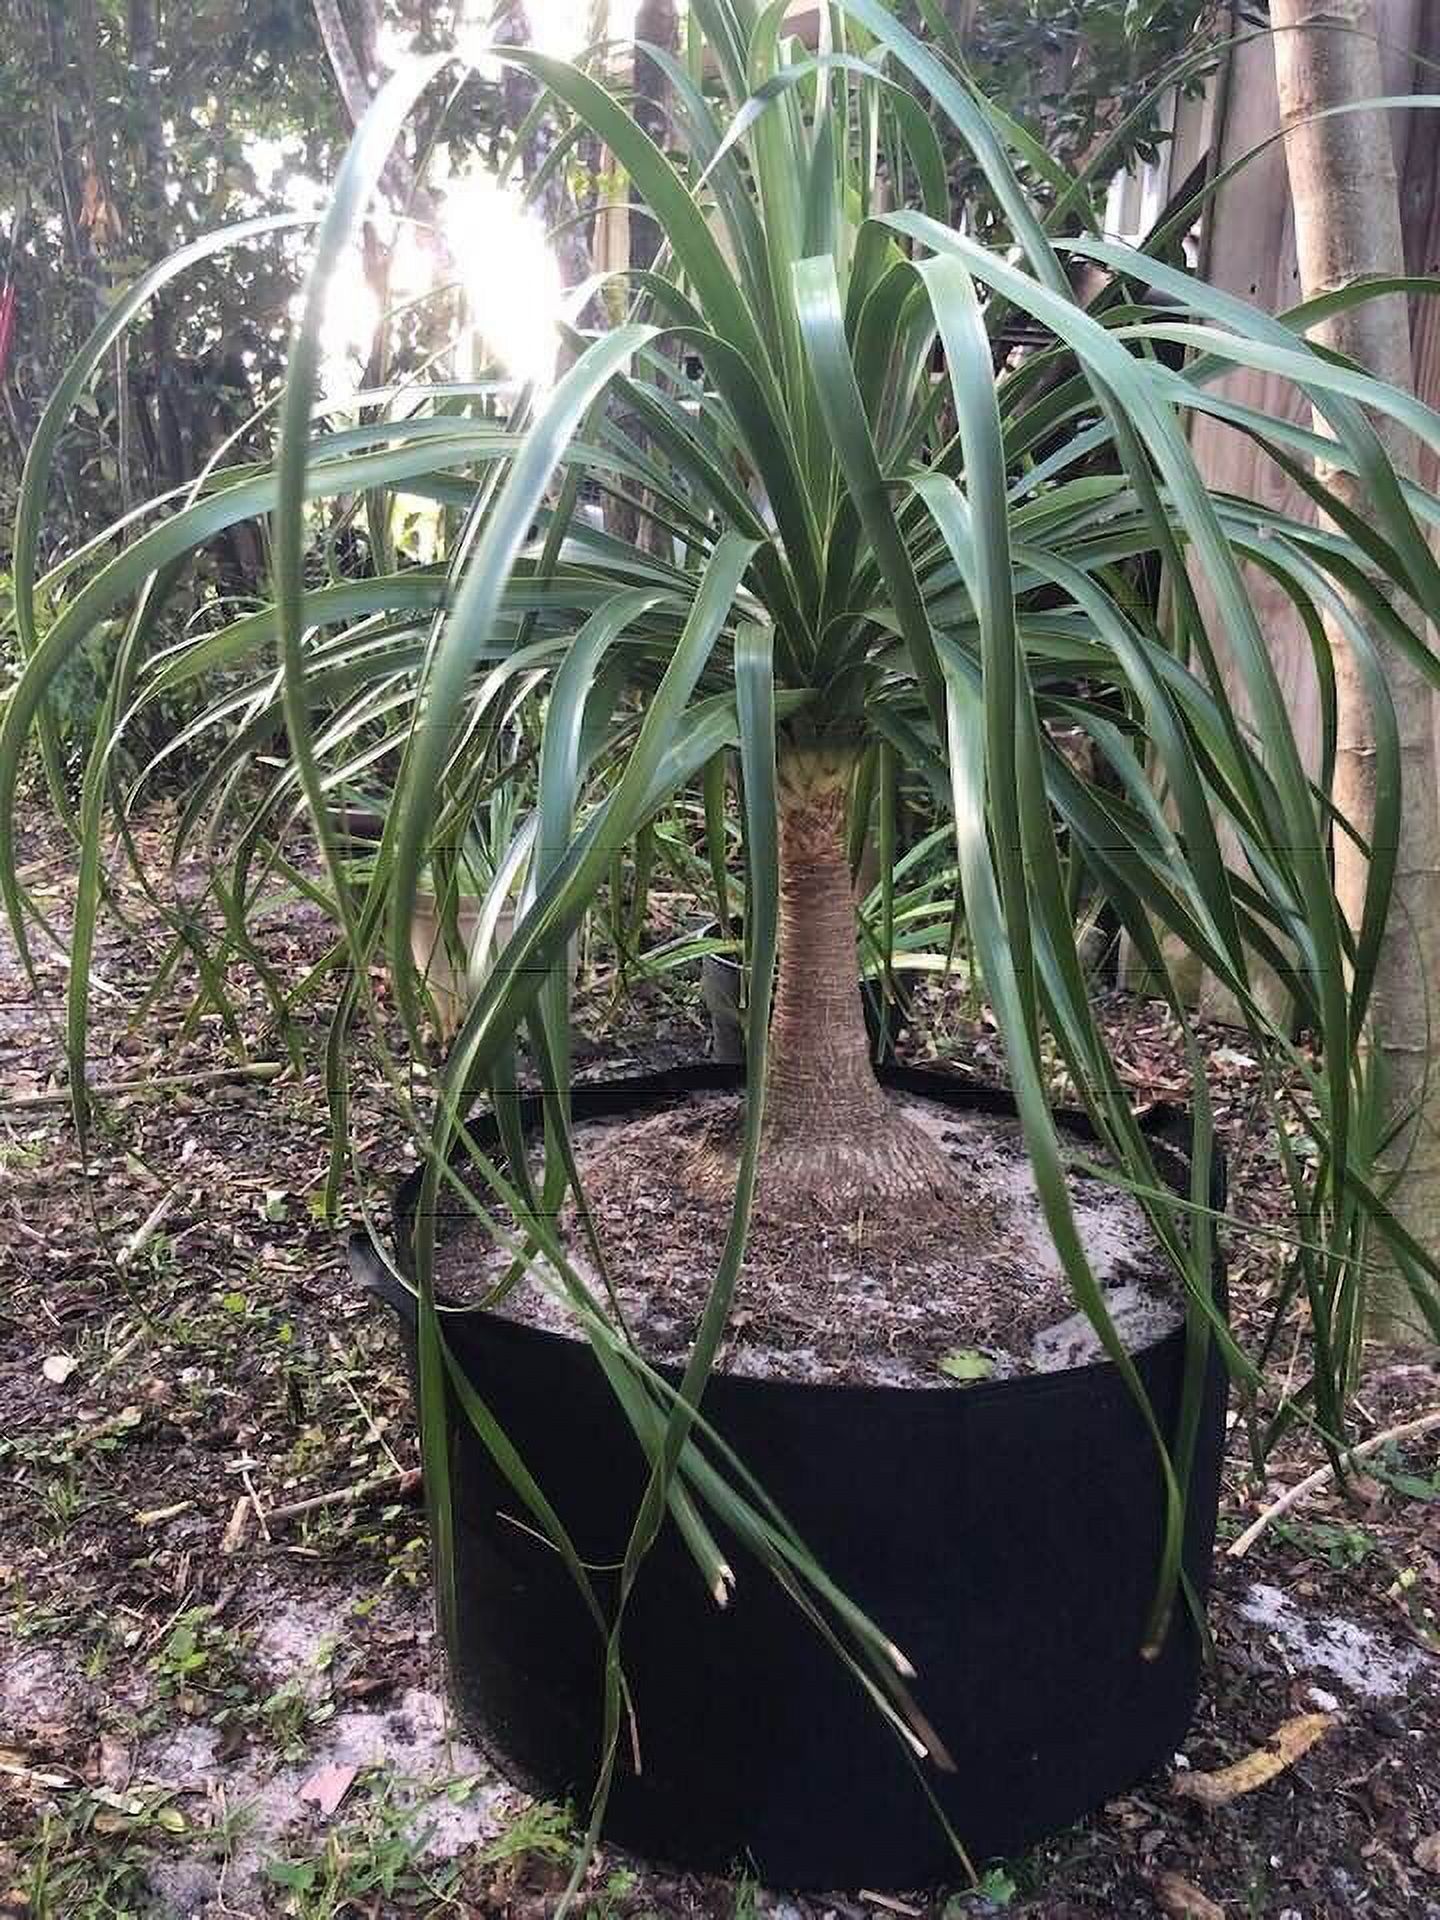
561,28
511,275
347,332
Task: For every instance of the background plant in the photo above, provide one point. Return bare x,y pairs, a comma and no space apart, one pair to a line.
1079,76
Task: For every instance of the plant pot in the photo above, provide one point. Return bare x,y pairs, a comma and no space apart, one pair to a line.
1006,1534
720,978
449,985
359,825
720,989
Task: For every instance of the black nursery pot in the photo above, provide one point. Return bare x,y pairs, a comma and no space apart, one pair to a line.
1005,1534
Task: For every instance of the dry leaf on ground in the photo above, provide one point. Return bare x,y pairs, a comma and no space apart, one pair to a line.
1427,1853
327,1787
1182,1900
1281,1750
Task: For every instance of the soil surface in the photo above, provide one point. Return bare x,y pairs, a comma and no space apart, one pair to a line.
887,1299
213,1706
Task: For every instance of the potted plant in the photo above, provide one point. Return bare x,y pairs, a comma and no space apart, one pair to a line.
906,495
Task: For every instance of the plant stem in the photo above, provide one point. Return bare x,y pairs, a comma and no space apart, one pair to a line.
820,1083
834,1142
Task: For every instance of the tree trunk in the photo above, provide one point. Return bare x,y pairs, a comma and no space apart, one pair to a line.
657,24
352,70
173,457
90,297
820,1084
1347,228
833,1140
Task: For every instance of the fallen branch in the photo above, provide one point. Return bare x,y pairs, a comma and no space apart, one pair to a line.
401,1485
260,1514
15,1767
158,1083
1292,1496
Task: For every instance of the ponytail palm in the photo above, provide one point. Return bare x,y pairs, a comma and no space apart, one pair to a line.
878,537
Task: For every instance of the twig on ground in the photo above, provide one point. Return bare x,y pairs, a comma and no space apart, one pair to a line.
399,1484
114,1358
159,1633
237,1526
260,1513
1292,1496
376,1433
157,1083
147,1229
157,1516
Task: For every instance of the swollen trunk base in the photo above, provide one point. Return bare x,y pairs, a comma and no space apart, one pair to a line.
1006,1535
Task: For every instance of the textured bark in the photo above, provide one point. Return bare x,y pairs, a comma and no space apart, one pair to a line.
833,1139
1420,219
1347,227
820,1082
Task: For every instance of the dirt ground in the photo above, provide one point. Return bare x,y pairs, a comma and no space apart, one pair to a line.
213,1707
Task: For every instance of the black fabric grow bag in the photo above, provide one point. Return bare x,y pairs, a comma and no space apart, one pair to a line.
1006,1534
